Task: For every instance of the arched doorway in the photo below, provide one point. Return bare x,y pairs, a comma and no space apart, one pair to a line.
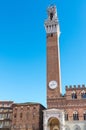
53,124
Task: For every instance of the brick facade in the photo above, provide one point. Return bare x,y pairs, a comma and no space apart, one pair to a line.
27,116
21,116
71,104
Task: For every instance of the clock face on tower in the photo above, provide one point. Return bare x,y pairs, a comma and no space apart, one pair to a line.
53,84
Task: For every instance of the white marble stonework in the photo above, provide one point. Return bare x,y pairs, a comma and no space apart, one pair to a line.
53,113
52,25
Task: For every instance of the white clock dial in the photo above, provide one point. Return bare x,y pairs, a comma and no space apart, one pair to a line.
52,84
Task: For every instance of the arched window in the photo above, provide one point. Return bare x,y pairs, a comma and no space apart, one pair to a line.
83,94
66,116
84,115
75,115
74,95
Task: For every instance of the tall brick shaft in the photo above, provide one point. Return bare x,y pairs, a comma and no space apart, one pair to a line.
53,55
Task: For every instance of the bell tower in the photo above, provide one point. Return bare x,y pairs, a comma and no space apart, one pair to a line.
53,55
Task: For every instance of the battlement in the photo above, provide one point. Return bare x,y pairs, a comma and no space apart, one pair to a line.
76,87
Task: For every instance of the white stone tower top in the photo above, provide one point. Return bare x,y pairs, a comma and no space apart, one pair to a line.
51,24
52,13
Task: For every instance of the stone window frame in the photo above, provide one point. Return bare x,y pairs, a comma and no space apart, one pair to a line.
84,115
74,95
66,116
75,115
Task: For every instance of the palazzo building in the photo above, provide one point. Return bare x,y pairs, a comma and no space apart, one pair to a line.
21,116
63,112
27,116
66,112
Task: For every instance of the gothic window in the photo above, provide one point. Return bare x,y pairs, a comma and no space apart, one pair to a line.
84,115
66,116
75,115
74,95
83,94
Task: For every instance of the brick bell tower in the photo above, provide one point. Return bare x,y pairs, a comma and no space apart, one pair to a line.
53,55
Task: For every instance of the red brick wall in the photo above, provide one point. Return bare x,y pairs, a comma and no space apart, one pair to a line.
31,117
53,72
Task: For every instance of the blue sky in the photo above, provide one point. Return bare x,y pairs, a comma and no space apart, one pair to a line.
23,47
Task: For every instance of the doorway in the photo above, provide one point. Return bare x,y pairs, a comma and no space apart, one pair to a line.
53,124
